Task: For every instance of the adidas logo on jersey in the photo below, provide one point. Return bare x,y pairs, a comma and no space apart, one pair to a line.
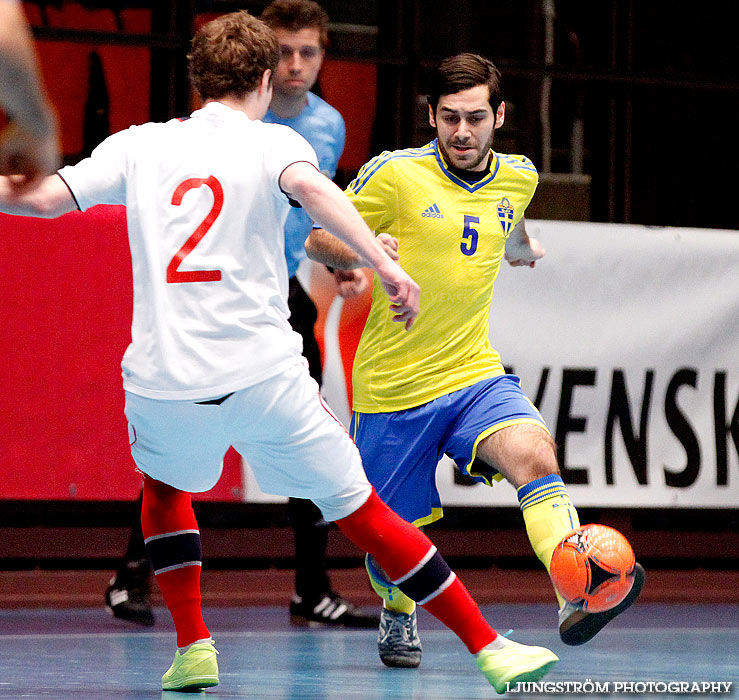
433,212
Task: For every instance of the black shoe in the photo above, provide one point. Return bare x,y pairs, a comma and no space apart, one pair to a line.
577,626
128,597
330,610
397,641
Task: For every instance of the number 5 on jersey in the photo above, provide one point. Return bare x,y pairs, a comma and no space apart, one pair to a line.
174,274
469,235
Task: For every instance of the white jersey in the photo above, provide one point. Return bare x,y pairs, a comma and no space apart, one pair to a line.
205,223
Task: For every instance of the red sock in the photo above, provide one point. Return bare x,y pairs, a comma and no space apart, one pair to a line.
456,608
173,544
411,560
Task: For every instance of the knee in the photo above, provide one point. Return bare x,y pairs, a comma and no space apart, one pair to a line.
521,453
543,459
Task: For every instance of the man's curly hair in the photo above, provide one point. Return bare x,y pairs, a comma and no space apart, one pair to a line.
229,55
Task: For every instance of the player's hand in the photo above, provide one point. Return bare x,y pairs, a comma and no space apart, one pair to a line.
523,253
25,157
404,293
390,244
350,283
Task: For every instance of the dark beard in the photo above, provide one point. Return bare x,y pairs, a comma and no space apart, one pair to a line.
484,153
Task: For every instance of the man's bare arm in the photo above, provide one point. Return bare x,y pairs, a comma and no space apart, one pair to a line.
329,207
50,199
29,142
324,248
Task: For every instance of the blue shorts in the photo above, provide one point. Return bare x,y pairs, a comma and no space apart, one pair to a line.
401,449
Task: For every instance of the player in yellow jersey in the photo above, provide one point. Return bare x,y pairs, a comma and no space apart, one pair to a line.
452,211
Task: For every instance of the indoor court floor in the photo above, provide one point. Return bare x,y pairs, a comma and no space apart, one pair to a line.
83,654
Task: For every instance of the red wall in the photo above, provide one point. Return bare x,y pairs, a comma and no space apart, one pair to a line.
66,294
64,66
66,300
351,87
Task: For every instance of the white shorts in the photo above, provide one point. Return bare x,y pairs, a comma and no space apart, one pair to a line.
281,426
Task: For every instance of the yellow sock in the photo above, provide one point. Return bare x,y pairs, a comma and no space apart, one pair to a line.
549,516
393,598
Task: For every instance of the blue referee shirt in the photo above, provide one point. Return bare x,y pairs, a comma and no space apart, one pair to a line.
323,127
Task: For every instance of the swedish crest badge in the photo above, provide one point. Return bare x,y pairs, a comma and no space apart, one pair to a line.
505,215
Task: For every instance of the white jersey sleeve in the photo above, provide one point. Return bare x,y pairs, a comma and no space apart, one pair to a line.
289,148
101,178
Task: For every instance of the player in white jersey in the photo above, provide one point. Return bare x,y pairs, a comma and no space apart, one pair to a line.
213,361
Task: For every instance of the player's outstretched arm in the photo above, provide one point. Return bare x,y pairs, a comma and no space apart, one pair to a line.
29,144
329,207
50,199
520,249
324,248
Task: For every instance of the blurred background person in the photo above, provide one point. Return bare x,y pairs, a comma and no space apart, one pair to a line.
302,30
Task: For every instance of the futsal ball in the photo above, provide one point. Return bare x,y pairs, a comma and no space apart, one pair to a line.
593,567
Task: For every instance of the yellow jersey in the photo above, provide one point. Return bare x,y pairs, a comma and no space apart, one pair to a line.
451,236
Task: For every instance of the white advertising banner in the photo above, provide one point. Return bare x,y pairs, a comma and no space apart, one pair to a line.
627,339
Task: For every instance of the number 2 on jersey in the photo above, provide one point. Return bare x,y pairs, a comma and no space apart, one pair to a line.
174,274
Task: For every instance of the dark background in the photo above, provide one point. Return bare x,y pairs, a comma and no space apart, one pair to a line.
655,86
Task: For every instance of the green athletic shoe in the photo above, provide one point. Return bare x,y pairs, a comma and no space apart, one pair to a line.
197,668
514,663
